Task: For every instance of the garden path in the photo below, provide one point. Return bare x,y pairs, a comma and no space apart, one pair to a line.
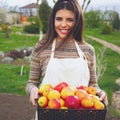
106,44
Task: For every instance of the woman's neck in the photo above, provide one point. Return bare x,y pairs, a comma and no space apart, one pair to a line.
70,39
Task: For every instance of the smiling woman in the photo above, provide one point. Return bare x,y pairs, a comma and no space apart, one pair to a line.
63,55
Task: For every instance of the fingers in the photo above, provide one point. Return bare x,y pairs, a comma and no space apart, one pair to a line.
34,95
103,97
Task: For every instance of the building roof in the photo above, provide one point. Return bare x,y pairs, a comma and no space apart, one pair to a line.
32,5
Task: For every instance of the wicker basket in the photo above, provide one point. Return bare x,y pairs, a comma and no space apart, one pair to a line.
70,114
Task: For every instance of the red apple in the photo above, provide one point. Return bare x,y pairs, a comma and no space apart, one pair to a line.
60,86
54,103
82,87
72,101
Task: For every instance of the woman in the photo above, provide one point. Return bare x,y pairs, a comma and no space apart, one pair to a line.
63,55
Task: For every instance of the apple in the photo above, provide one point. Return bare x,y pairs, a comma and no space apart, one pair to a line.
94,98
99,106
53,94
43,101
91,90
64,108
62,102
54,103
80,93
60,86
72,101
87,102
43,87
82,87
67,91
46,91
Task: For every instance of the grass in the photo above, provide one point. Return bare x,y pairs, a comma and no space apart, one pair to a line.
16,41
11,81
114,37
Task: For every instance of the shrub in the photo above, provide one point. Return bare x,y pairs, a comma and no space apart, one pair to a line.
107,29
15,54
7,60
33,28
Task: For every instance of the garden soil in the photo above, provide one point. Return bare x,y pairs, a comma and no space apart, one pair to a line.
14,107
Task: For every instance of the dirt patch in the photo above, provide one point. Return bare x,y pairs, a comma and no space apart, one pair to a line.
14,107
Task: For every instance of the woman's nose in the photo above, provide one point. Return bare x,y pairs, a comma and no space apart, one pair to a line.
64,23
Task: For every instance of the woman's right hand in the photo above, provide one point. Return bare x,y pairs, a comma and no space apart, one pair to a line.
34,95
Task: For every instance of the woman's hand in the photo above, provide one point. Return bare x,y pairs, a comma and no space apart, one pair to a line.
103,97
33,95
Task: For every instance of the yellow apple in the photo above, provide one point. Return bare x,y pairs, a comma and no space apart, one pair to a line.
99,106
43,101
44,87
67,91
53,94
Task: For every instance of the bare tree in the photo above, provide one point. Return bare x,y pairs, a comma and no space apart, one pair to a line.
39,20
2,15
85,4
101,63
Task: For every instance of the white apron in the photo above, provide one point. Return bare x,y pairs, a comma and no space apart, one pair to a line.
74,71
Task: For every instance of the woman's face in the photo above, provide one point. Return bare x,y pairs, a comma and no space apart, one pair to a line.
64,22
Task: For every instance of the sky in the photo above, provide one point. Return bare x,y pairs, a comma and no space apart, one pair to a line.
95,4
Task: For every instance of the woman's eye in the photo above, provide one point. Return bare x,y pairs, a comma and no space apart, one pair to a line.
59,19
71,20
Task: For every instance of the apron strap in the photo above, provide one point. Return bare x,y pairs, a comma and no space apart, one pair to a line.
53,49
81,54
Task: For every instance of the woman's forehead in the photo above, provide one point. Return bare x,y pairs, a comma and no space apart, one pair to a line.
65,12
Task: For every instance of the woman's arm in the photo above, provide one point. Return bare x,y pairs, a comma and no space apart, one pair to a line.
93,79
34,78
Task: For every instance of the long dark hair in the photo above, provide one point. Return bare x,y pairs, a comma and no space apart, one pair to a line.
77,30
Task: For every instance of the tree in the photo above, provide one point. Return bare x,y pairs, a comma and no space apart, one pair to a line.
112,18
85,4
44,13
92,19
39,21
4,26
2,15
116,21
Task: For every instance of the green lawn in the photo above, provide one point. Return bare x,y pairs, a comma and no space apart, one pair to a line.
16,41
10,79
114,37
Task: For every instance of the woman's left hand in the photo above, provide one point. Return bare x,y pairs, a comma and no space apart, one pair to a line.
103,97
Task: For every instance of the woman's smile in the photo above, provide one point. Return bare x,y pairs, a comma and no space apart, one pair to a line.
64,31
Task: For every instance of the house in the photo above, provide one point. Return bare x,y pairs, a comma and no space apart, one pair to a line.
13,18
28,10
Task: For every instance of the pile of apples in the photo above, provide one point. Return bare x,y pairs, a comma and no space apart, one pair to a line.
63,96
